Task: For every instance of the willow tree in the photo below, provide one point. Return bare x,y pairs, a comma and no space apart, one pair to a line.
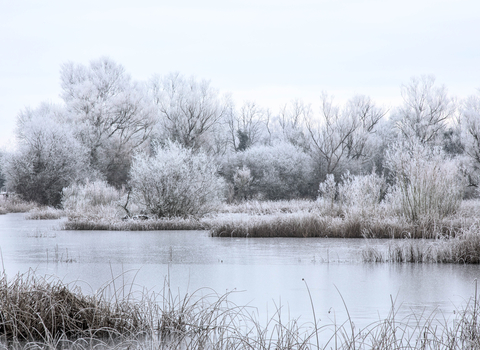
342,133
111,113
187,110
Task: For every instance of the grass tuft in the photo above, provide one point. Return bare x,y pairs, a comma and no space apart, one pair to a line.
42,309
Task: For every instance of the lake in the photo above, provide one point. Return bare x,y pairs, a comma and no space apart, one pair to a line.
266,272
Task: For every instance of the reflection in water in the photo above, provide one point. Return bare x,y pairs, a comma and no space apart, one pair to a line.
268,272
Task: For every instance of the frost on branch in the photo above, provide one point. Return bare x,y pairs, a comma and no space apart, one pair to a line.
175,182
427,182
48,159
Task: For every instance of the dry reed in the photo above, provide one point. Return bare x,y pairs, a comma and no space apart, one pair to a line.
310,224
85,223
462,248
34,308
43,313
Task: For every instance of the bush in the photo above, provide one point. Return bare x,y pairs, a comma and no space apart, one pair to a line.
48,159
428,183
81,197
361,194
281,171
175,182
93,202
327,191
14,204
242,181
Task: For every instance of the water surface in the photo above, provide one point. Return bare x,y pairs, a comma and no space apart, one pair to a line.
267,272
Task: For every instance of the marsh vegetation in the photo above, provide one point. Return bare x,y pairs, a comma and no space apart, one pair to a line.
39,312
175,147
174,154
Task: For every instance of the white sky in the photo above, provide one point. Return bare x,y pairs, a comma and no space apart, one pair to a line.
268,51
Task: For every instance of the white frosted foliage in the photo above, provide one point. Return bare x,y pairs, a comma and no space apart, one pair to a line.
175,182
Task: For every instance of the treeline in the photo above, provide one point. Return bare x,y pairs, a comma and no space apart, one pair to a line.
107,122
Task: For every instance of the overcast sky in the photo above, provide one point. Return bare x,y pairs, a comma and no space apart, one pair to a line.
265,51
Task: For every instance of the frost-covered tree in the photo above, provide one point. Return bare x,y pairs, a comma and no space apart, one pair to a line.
187,110
247,126
363,112
279,171
327,191
467,139
242,181
425,111
470,125
291,123
111,114
2,175
341,135
175,182
48,158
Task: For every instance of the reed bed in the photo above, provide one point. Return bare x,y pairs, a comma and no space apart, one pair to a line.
311,224
45,310
44,313
132,224
295,218
463,248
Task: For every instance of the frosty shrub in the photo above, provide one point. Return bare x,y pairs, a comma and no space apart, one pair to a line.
48,157
242,180
175,182
361,194
281,171
327,190
84,197
428,183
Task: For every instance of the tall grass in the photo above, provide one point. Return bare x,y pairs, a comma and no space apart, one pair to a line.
14,204
311,224
44,313
40,309
133,224
463,248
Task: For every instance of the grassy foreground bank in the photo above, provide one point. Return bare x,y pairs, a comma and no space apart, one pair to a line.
44,313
